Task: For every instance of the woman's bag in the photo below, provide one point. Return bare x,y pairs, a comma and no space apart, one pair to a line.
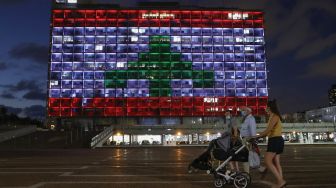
254,159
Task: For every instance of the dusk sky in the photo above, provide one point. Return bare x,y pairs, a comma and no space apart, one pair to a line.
300,47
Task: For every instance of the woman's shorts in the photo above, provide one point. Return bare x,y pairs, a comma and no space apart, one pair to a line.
275,145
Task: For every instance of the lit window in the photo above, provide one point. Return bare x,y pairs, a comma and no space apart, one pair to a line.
121,64
134,39
99,47
246,31
142,30
53,83
249,48
176,39
67,39
239,39
72,1
134,30
259,40
248,39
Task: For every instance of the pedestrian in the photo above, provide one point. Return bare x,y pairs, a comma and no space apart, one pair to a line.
275,145
248,129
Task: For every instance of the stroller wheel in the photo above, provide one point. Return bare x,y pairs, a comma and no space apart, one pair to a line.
247,175
219,183
240,181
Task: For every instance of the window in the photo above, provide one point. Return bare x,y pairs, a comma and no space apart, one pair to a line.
54,84
99,48
89,39
57,48
57,31
57,40
176,39
175,31
121,64
196,31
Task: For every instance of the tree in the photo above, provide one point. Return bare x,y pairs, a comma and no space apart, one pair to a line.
159,66
3,111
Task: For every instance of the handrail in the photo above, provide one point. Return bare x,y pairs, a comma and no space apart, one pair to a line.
96,140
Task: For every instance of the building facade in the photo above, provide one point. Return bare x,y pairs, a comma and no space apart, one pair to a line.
327,114
154,66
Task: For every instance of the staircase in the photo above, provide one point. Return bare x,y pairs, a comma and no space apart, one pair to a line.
101,138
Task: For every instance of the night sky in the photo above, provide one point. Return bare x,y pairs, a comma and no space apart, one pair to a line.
300,48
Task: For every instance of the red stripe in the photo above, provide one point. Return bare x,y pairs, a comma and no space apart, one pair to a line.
134,18
153,106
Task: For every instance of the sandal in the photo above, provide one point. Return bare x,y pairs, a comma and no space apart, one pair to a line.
283,185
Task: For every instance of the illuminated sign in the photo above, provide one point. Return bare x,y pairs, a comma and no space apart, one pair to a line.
158,16
238,16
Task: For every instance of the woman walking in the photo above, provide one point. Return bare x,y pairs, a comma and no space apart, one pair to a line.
275,143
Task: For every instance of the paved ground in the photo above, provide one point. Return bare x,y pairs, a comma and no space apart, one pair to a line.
152,167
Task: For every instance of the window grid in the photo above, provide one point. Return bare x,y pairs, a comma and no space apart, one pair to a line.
92,65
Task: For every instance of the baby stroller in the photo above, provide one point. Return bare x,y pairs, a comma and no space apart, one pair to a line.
223,149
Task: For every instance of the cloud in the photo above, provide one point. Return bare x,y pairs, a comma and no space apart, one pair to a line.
34,89
3,66
293,30
324,68
35,111
35,95
7,95
294,38
32,51
12,110
316,47
23,85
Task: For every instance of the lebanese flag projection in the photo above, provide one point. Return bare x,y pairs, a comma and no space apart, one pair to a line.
160,63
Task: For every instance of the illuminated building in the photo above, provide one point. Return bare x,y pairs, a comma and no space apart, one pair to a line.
160,64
